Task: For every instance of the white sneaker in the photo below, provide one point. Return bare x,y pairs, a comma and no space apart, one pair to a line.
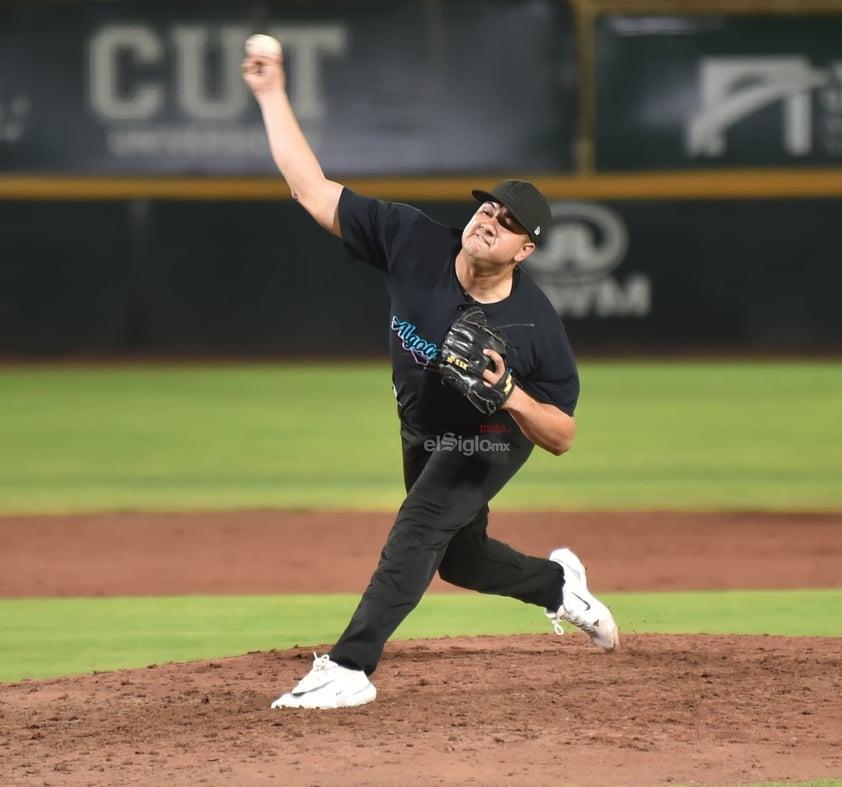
579,607
328,685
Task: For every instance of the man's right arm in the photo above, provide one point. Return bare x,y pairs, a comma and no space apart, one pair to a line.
290,150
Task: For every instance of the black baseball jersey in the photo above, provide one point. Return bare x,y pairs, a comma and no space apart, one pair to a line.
418,255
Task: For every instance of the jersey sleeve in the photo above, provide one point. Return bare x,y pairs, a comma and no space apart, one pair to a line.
557,384
554,379
374,230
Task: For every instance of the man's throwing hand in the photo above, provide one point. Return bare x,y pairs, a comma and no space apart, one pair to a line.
263,68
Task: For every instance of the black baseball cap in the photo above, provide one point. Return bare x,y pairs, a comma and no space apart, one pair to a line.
528,205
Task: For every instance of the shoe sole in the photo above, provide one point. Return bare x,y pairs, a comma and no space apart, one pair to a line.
288,701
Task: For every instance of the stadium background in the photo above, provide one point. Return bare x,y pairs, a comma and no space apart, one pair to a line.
691,151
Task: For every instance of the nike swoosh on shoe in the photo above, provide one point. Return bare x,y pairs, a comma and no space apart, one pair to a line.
316,688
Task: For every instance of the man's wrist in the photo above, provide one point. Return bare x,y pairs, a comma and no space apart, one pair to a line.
515,398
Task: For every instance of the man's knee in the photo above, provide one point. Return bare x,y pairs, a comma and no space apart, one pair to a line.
459,562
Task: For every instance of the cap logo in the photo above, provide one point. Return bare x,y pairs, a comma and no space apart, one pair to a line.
537,230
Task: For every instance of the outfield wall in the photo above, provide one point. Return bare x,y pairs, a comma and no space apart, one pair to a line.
163,277
692,150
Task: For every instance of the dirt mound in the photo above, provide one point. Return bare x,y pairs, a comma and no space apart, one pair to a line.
525,710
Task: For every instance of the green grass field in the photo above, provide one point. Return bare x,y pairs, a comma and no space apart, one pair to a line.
46,637
671,435
735,435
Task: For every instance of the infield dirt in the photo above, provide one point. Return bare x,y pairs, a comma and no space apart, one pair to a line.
522,710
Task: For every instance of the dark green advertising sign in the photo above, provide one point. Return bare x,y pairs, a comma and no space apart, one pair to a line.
689,92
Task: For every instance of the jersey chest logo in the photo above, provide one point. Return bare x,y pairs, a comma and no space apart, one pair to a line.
423,352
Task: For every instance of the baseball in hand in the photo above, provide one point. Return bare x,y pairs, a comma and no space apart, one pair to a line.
261,45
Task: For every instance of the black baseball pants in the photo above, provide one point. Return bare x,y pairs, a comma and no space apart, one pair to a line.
441,526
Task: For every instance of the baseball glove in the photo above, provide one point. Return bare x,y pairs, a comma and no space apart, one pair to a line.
463,361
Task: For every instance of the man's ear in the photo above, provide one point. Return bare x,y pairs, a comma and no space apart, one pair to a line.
525,251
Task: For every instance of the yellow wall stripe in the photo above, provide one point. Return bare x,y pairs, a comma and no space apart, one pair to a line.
738,184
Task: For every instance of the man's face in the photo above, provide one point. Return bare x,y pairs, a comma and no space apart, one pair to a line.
495,235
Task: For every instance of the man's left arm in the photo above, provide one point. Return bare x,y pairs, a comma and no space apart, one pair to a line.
544,424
